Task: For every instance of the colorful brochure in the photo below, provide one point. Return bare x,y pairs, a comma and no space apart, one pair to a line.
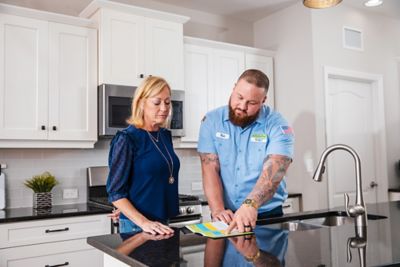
214,230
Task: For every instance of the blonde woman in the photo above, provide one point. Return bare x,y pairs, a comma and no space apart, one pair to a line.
143,178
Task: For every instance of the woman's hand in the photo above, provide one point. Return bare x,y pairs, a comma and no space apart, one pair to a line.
155,228
114,215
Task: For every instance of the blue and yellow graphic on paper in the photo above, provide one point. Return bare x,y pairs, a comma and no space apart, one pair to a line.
213,230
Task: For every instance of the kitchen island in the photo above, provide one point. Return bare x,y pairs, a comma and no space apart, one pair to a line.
272,245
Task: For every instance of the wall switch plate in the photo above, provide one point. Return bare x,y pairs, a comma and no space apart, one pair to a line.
197,186
70,193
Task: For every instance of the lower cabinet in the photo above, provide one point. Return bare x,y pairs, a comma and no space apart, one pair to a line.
291,205
52,242
394,196
74,253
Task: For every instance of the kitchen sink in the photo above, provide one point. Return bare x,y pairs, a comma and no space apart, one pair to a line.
315,221
293,226
337,219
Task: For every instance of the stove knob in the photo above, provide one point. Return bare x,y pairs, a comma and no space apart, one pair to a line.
189,210
182,210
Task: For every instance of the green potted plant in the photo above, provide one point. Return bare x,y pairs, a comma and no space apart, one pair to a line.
42,185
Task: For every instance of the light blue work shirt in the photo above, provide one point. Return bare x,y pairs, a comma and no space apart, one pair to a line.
241,152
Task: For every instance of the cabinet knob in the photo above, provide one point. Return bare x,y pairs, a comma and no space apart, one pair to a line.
43,127
54,128
373,184
141,75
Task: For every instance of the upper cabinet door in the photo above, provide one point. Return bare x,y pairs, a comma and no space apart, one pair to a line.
229,65
73,83
121,48
24,78
164,51
199,77
264,64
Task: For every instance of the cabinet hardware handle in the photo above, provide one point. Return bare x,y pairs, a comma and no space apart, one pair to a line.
57,230
58,265
141,76
286,206
43,127
54,128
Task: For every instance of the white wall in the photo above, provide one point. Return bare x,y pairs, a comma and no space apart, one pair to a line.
289,33
379,57
302,51
205,25
69,167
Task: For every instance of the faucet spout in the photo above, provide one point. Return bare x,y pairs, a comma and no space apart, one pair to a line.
359,210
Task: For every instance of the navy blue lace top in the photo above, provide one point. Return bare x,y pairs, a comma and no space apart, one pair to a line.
140,173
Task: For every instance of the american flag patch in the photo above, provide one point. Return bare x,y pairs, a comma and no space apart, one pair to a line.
287,130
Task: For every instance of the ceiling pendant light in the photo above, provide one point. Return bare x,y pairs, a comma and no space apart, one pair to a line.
321,3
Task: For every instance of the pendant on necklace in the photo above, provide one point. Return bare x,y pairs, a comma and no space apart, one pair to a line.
171,180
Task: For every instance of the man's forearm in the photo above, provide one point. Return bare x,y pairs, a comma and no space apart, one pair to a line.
212,181
274,169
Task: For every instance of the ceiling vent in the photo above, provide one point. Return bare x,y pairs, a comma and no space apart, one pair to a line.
353,39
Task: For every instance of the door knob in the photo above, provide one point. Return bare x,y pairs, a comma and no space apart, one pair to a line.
373,184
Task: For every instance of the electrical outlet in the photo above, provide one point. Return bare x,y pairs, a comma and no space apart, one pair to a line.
197,186
70,193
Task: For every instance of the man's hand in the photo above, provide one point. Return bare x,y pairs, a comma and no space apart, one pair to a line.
225,216
244,219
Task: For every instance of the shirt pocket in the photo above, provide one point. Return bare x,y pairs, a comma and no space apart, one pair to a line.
257,154
224,151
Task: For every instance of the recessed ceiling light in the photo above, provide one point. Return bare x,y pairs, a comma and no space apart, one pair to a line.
372,3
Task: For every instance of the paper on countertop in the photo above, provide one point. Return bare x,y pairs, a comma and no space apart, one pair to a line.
214,230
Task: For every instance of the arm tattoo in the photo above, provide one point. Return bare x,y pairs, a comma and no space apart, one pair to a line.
274,169
210,159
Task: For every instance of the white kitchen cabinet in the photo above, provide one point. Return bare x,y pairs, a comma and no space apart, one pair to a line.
136,42
264,63
291,205
52,242
48,93
211,71
67,253
394,196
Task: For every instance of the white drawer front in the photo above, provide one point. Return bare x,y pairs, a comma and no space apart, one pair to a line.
42,231
74,253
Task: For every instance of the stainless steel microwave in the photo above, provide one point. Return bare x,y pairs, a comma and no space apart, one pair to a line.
114,102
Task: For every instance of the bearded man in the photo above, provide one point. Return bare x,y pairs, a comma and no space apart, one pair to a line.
245,150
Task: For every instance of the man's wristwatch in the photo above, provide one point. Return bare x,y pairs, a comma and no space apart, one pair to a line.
250,203
253,258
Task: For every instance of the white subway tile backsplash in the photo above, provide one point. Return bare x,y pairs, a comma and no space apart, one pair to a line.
69,166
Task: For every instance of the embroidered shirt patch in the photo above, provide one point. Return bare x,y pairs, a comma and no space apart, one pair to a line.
222,135
287,130
258,138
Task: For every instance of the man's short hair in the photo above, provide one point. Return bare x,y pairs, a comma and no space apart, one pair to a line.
256,77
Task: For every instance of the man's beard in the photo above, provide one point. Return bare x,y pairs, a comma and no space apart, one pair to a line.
241,121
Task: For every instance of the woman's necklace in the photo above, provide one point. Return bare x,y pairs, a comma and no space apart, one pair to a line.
154,138
171,178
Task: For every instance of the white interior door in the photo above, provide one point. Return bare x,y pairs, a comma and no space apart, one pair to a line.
352,115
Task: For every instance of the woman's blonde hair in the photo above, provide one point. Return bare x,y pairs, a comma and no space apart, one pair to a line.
150,87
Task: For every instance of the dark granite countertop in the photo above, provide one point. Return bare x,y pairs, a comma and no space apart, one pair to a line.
394,189
56,211
324,246
204,201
